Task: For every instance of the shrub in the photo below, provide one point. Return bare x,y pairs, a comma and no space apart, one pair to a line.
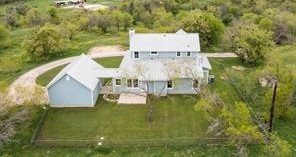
4,36
44,42
209,27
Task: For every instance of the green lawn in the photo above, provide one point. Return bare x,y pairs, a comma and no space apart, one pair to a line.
44,79
173,117
222,84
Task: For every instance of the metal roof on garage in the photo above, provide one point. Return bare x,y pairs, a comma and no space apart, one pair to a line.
82,69
107,73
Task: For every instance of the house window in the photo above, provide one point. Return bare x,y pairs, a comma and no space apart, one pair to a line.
153,53
135,83
132,83
129,83
136,54
118,82
188,54
170,84
195,83
178,54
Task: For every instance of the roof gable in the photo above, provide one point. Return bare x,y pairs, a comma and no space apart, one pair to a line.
82,69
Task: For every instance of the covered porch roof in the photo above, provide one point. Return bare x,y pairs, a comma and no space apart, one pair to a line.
161,69
107,73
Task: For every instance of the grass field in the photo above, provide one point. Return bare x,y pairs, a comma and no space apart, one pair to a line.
173,117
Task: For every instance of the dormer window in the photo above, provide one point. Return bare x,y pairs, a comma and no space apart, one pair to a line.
188,54
178,54
136,54
153,53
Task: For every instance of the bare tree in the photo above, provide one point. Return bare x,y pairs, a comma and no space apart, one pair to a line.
10,118
187,70
140,72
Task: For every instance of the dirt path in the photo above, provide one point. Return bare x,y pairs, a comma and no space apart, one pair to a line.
220,55
28,80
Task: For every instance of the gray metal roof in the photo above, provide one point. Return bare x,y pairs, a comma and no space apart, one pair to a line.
205,62
160,68
107,73
180,41
82,69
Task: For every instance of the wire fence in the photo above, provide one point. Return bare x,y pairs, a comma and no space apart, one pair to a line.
39,126
176,141
249,101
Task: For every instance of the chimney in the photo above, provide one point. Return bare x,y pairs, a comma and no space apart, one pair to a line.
131,33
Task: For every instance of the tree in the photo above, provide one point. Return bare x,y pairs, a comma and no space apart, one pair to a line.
239,127
146,18
22,8
139,72
118,19
161,18
8,1
10,17
127,21
4,36
35,18
210,103
283,72
68,29
251,43
277,147
53,15
284,25
209,27
44,42
102,20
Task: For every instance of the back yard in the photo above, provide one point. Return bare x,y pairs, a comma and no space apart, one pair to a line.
175,122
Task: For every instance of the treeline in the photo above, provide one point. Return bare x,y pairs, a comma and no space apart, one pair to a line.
249,28
9,1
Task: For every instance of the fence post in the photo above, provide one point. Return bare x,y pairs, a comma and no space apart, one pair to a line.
40,123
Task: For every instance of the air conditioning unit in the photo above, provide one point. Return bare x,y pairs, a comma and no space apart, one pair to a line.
211,79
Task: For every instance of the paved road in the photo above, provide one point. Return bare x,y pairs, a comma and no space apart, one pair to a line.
28,80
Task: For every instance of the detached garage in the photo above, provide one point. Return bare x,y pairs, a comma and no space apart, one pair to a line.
76,85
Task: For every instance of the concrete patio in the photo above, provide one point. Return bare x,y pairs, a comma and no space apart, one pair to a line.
131,98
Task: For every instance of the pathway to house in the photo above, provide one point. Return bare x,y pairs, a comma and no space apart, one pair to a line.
28,80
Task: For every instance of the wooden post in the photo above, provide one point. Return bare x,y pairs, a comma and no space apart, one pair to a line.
272,107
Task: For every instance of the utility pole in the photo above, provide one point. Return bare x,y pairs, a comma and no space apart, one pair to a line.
272,107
